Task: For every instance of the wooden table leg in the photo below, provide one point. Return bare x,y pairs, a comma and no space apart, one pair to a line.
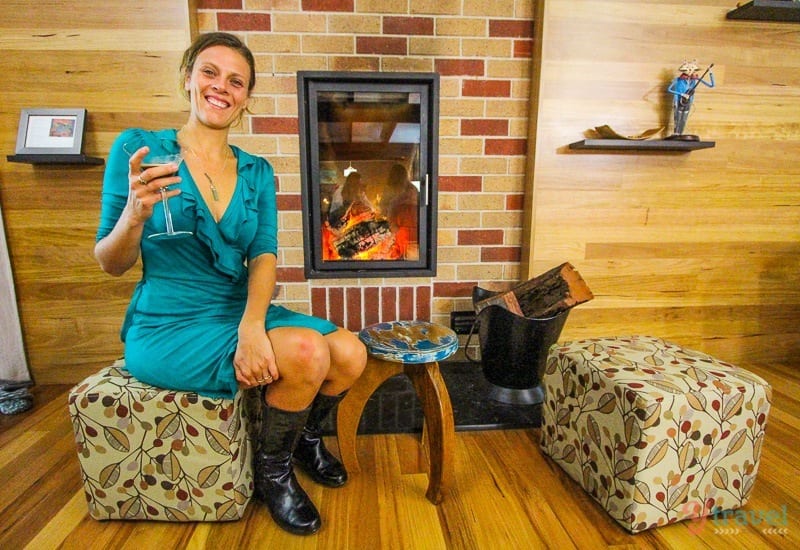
439,426
351,407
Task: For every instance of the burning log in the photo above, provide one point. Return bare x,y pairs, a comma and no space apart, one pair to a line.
544,296
362,237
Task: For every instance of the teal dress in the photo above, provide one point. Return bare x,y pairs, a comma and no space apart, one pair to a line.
180,329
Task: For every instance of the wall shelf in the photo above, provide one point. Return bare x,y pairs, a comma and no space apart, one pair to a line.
55,159
641,145
767,10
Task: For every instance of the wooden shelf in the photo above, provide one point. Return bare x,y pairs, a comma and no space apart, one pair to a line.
641,145
767,10
55,159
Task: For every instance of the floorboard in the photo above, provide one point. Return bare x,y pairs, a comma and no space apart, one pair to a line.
506,494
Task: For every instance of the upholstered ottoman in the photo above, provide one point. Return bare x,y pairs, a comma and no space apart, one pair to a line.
654,432
149,453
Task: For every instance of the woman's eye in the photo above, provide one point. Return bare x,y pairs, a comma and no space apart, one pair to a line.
237,83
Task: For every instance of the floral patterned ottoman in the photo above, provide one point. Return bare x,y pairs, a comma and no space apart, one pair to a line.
154,454
654,432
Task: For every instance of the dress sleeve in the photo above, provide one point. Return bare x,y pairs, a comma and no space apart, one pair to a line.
266,238
115,183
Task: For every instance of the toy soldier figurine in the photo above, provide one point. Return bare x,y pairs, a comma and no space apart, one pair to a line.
682,90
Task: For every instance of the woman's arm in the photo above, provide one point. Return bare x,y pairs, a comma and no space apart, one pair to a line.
254,357
118,250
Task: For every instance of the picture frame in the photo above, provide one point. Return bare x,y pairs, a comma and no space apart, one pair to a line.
50,131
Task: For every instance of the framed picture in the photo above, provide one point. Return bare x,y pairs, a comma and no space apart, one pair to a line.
50,131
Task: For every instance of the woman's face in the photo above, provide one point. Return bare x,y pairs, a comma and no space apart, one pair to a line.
218,86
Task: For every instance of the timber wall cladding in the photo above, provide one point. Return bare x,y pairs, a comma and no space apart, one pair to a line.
118,59
701,247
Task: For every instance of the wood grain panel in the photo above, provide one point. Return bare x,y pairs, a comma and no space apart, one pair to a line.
119,60
700,246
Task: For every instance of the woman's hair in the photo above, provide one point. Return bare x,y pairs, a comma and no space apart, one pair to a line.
208,40
352,187
398,176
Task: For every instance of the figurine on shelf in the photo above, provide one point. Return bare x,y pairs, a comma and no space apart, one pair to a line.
682,90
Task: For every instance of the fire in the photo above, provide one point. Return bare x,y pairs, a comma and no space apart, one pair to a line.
365,236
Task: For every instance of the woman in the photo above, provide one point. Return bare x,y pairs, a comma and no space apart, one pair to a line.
349,200
200,319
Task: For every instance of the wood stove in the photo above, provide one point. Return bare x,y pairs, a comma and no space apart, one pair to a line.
368,145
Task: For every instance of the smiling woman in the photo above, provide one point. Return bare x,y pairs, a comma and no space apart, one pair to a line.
201,318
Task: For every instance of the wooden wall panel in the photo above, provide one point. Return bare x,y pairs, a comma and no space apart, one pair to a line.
700,247
119,60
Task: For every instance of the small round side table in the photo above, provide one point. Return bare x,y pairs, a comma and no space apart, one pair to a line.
413,348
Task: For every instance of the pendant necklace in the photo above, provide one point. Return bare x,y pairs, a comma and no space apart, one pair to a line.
214,192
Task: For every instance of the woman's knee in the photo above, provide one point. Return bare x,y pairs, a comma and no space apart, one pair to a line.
302,354
348,354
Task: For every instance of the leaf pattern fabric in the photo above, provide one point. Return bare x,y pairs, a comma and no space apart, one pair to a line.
654,432
152,454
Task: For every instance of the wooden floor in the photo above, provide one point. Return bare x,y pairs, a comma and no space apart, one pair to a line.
506,495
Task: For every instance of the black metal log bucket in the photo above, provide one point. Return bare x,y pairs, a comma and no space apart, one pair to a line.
513,350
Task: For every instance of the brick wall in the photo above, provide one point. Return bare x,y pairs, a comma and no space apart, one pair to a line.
482,52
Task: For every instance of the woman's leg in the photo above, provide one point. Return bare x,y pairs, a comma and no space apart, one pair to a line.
348,357
303,360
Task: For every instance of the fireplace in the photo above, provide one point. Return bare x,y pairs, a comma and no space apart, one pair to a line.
368,148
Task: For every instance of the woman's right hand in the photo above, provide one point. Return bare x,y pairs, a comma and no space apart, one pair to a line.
145,185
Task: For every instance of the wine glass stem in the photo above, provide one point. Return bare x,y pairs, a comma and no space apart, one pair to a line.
167,213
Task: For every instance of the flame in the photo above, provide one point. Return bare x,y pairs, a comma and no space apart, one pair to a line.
395,246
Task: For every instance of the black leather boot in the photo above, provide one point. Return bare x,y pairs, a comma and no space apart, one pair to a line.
311,454
275,482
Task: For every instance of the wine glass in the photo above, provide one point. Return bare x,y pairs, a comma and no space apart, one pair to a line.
161,160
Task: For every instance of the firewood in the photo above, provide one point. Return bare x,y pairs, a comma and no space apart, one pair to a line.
546,295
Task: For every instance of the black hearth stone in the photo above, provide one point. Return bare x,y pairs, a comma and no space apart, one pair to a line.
394,407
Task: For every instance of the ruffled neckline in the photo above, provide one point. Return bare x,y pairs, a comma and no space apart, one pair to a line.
219,236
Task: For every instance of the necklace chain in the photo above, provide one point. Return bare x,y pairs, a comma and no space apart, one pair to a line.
214,191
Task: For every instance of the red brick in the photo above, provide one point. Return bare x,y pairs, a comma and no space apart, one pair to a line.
424,303
506,147
382,45
523,48
219,4
406,303
515,202
453,290
275,125
408,25
460,67
319,302
327,5
501,254
354,321
388,304
484,127
336,306
371,306
460,183
480,236
509,28
289,203
486,88
243,21
291,275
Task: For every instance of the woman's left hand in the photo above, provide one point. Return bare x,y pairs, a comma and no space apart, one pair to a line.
254,360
